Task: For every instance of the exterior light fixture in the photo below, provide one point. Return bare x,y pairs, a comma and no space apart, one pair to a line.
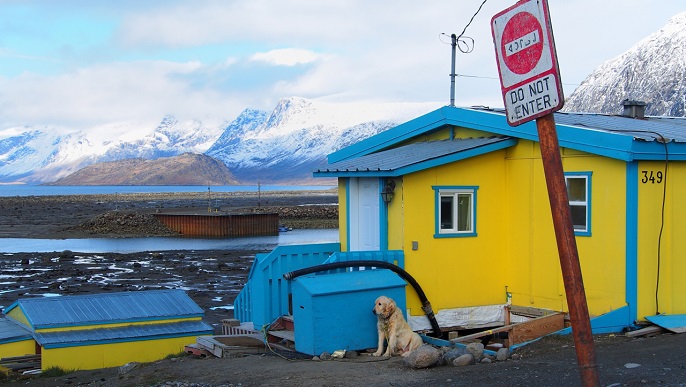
387,192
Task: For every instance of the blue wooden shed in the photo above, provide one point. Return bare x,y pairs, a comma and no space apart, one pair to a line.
334,311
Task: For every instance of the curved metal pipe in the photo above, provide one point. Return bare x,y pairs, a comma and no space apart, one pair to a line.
426,305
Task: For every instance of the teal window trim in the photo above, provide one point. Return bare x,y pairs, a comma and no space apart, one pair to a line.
454,191
631,285
383,218
576,203
347,214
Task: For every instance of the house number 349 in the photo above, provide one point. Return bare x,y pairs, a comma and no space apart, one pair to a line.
651,177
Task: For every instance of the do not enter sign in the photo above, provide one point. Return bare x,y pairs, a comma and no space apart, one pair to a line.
522,43
527,61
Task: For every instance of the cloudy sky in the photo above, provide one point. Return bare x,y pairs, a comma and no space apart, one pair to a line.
88,62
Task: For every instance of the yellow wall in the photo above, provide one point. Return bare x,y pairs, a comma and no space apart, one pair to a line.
463,271
672,257
515,249
112,355
18,348
342,214
535,278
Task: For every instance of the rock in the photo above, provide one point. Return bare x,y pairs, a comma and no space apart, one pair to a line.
486,360
128,367
66,254
423,357
502,354
453,354
476,350
631,365
463,360
350,354
325,356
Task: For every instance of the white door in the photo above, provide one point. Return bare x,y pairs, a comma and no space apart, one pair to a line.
365,233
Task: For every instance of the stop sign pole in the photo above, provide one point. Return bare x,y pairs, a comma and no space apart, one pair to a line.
529,75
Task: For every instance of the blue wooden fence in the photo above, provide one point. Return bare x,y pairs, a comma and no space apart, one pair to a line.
265,296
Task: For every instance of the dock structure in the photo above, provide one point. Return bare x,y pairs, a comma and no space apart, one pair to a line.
221,224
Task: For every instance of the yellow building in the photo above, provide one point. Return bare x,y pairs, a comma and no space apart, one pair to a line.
470,211
102,330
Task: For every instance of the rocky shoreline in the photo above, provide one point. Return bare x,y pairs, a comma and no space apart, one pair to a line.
128,215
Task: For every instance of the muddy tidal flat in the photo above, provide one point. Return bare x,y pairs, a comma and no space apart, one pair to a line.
212,278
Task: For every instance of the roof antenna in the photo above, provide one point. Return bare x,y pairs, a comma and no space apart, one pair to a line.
452,70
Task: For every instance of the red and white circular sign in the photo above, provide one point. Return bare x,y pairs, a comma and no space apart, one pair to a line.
522,43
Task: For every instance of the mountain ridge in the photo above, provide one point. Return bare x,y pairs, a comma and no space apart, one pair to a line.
185,169
651,71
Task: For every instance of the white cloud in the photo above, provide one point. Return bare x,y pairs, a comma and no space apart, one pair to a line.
286,57
343,50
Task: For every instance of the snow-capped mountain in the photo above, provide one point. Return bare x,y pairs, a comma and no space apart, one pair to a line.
43,154
287,144
652,71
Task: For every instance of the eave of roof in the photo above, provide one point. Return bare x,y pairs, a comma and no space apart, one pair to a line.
130,333
415,157
610,136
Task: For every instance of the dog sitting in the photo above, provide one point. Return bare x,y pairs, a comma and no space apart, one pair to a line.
393,328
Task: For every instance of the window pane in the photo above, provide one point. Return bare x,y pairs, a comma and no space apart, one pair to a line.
576,189
464,212
446,213
579,217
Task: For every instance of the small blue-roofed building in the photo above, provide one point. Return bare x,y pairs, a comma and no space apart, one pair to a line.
104,330
15,340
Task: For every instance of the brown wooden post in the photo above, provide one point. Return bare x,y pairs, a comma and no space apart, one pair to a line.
566,245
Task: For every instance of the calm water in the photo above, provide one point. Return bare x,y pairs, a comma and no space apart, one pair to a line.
44,190
132,245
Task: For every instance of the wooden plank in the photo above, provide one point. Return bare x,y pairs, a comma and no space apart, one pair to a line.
536,328
529,311
287,335
16,359
481,334
651,330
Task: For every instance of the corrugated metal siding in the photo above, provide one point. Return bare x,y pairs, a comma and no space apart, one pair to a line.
222,225
392,159
107,308
121,334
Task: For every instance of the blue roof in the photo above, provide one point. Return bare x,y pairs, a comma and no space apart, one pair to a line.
415,157
350,281
619,137
11,332
81,337
108,308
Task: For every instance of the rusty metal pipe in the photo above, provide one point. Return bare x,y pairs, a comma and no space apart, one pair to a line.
566,245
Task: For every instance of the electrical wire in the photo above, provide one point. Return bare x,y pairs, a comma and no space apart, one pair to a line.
660,138
471,20
465,43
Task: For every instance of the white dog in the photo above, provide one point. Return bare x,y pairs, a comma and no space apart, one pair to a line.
394,329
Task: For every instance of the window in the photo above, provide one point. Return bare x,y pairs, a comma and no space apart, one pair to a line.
455,211
579,193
